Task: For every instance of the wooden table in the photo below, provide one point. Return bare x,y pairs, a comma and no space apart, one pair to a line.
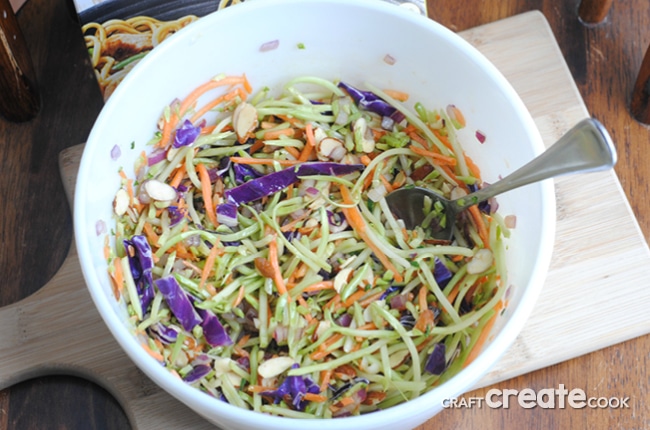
36,225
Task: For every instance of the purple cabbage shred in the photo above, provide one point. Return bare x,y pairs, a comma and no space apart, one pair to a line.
141,264
227,214
295,387
214,332
179,302
244,173
186,134
370,101
166,334
197,372
436,363
269,184
441,273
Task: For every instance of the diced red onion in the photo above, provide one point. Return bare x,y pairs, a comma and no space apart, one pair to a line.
156,157
312,192
100,227
115,152
480,136
389,59
398,302
387,123
297,214
344,320
510,221
451,112
270,45
281,333
193,240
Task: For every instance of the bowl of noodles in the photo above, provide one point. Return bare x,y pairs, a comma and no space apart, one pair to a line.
233,231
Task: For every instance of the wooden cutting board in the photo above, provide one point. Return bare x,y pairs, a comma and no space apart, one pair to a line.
595,270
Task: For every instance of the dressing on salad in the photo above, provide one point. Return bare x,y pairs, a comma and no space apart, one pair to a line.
260,263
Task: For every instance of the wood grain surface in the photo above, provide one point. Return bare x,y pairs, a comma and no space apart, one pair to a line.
35,225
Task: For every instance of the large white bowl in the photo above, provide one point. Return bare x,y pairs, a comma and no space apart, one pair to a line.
343,39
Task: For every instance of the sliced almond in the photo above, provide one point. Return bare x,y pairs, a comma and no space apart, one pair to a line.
121,202
244,120
398,357
341,278
320,329
274,366
480,262
329,146
159,191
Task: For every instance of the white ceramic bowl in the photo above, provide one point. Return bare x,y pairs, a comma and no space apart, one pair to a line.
343,39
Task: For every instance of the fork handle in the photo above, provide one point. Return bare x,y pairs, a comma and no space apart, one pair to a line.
587,147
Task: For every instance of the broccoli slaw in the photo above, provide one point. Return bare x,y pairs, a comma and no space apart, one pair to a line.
260,262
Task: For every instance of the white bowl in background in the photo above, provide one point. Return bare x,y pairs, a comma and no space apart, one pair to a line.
343,39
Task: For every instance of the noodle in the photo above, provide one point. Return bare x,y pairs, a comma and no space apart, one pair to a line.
117,45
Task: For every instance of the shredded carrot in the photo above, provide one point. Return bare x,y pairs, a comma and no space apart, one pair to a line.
206,190
368,300
353,298
256,146
107,249
322,350
365,160
399,181
414,135
480,225
387,185
293,151
277,274
453,293
425,320
355,219
152,237
473,168
207,107
275,134
346,401
319,286
485,333
318,398
460,118
239,298
304,304
178,176
422,298
367,326
438,158
292,224
209,264
251,160
400,96
118,278
325,377
155,354
334,301
444,139
310,143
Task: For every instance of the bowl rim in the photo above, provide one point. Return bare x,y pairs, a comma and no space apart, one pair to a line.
466,378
